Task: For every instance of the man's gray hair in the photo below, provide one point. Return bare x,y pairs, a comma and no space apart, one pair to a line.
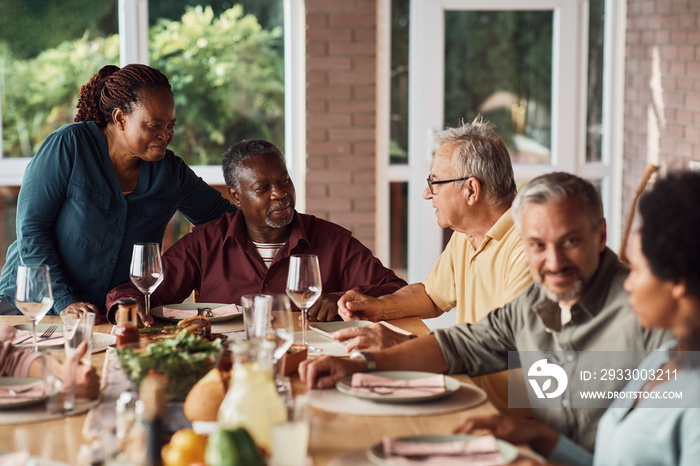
244,150
558,186
482,153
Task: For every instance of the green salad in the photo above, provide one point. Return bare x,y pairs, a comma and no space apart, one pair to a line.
183,360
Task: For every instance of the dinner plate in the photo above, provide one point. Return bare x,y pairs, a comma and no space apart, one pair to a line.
451,385
158,311
40,328
327,328
375,453
11,403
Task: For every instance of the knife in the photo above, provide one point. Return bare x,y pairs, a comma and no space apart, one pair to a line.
39,339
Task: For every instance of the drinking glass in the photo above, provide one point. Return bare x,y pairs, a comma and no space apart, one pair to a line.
281,331
33,296
304,288
146,271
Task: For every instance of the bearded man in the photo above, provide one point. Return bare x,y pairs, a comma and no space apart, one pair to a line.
248,252
576,304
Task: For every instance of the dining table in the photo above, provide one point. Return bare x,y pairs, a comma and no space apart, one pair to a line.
336,438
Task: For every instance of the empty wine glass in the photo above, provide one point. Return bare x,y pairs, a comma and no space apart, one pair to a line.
33,296
281,331
304,288
146,271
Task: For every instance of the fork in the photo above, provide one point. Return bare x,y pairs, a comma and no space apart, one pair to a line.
44,336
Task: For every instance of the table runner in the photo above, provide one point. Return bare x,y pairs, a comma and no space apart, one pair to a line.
468,396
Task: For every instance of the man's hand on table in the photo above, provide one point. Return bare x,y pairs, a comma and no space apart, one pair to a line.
141,311
325,309
325,371
515,430
354,305
82,307
375,337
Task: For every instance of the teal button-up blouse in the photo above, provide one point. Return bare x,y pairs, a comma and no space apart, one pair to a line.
73,216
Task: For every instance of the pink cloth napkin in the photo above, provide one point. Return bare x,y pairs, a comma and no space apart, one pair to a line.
223,311
371,384
36,391
55,340
395,328
482,451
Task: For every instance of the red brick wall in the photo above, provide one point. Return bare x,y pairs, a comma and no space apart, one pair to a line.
662,88
340,103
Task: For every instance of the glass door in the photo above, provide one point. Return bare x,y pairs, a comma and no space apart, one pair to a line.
514,62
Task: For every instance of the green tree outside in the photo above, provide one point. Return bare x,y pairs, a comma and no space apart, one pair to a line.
227,74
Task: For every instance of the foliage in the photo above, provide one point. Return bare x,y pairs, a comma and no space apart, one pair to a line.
227,75
491,57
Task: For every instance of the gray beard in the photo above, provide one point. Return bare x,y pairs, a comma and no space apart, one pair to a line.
571,294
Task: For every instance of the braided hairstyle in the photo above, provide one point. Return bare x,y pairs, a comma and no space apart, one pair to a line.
113,87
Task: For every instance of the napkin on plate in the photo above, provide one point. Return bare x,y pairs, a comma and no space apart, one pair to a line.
223,311
36,390
371,384
20,335
482,451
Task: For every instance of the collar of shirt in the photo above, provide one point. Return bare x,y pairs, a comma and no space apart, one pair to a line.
298,241
592,301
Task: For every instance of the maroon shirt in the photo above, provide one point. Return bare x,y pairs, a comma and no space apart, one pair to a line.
220,263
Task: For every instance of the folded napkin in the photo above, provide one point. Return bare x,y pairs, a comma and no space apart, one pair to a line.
36,391
482,451
223,311
371,384
26,335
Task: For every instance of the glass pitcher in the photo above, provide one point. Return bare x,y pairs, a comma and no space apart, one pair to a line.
252,400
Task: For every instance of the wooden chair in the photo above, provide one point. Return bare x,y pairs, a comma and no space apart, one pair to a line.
649,173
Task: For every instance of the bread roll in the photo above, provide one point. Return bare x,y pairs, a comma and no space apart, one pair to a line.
203,401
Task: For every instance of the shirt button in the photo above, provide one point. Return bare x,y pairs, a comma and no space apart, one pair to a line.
565,403
266,285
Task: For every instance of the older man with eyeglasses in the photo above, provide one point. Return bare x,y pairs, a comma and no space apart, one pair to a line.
471,186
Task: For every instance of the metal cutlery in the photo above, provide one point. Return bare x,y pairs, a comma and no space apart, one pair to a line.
44,336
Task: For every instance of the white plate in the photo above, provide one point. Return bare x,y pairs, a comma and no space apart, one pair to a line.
100,341
327,328
9,403
158,311
451,386
376,452
40,328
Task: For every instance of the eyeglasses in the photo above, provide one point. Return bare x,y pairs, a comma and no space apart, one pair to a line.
431,182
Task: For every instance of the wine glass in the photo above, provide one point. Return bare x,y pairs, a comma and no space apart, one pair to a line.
281,332
146,271
34,297
304,288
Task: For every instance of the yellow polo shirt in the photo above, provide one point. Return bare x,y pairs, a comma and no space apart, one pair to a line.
475,282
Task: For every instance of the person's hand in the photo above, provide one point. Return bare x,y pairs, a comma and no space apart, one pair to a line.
354,305
514,430
82,307
325,371
87,383
375,337
141,312
325,309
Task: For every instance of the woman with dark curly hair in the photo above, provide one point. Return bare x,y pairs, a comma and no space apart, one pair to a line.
664,289
97,186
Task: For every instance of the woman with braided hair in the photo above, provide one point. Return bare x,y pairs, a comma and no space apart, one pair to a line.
97,186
